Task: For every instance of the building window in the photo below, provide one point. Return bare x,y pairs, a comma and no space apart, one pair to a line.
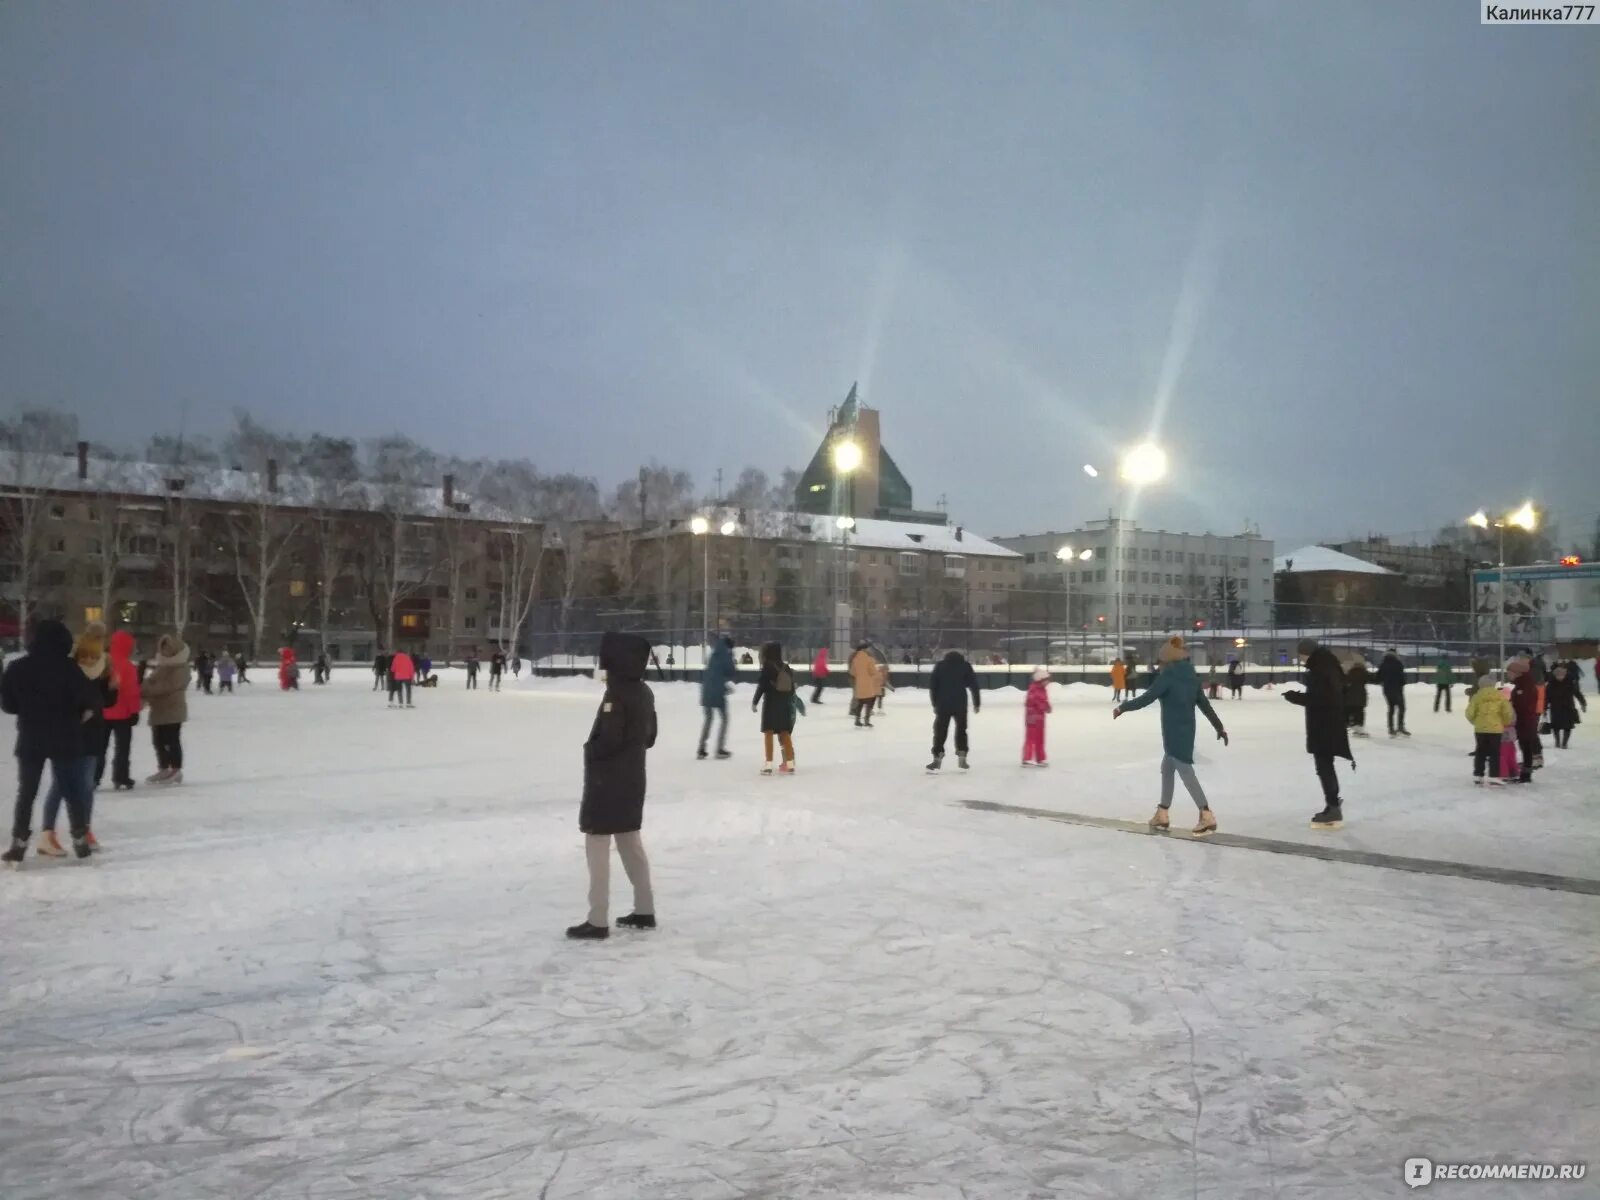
910,563
93,613
1100,576
58,512
472,593
469,622
410,621
297,588
58,545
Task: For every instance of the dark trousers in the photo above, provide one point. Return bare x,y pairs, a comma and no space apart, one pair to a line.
862,710
67,769
121,749
1530,747
1563,735
472,680
399,688
1442,692
941,727
1397,710
168,741
816,691
377,680
1356,718
712,710
225,685
494,680
1486,753
1328,778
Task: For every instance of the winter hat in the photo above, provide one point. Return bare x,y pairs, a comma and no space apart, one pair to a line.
96,629
1517,666
1307,645
1041,675
1485,682
1172,650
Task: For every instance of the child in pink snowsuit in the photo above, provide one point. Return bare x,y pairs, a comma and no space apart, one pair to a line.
1037,705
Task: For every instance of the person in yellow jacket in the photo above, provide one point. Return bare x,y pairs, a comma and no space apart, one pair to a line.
1491,715
1119,680
863,684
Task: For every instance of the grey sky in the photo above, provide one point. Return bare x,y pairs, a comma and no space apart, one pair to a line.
1355,245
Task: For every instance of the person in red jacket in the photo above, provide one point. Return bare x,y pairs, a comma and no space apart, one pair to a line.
1035,709
288,669
819,675
123,714
402,673
1525,703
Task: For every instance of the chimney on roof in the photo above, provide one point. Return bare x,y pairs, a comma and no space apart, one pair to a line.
83,460
449,491
958,533
272,474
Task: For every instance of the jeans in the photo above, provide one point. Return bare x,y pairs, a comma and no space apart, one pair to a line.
69,770
712,710
1442,692
1486,753
168,741
941,728
121,749
1329,778
52,798
1397,711
1170,767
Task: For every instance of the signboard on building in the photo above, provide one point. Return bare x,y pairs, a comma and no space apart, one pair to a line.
1550,602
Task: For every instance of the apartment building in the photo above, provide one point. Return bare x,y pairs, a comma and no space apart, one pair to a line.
1167,580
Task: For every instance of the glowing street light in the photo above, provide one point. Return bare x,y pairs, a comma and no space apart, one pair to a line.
1525,518
1145,463
729,528
1091,471
846,456
846,523
700,525
1067,556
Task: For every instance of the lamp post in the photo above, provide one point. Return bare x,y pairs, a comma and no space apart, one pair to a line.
846,457
701,528
1066,556
1524,518
1146,463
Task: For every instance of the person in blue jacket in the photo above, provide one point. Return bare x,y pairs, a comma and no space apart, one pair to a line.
1177,689
715,682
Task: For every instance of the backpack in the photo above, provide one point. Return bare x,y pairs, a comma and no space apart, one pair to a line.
783,681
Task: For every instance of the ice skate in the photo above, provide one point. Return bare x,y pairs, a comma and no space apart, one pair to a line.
766,768
1331,817
81,847
160,776
933,767
14,856
961,761
50,845
94,842
701,754
1160,822
1206,825
721,754
1497,783
173,779
637,921
588,932
786,768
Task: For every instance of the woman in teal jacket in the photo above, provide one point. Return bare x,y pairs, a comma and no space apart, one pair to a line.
1177,689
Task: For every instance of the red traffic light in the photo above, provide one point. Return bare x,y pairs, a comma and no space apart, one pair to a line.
1571,560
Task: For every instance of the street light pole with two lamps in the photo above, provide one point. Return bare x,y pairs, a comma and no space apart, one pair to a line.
846,458
701,528
1145,464
1524,518
1067,556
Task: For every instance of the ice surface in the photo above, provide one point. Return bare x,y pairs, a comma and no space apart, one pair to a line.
331,966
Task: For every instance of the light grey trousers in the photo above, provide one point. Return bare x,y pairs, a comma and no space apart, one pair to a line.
1170,767
630,848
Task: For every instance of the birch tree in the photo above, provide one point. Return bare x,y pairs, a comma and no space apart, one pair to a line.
33,442
260,531
403,565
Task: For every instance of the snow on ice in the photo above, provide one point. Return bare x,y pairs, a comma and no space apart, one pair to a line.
331,965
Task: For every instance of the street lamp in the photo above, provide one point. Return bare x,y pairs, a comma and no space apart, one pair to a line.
846,456
1067,556
1524,518
700,527
1145,464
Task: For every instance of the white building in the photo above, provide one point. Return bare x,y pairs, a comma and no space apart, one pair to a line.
1168,580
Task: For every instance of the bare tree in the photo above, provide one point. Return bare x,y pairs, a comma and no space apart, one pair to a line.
260,531
404,566
114,524
568,507
180,538
34,442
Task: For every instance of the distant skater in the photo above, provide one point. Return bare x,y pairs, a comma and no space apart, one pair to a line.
472,670
1355,696
380,671
819,675
1444,682
863,671
1327,733
948,687
1035,708
1491,715
716,681
497,670
1392,677
1119,680
1563,697
1177,688
402,675
614,786
1236,679
778,702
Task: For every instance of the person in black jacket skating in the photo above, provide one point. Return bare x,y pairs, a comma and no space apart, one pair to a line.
948,688
52,700
1327,735
779,700
380,671
1355,696
1563,697
497,669
1392,678
614,785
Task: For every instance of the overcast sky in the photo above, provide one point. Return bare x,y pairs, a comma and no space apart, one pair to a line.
1345,257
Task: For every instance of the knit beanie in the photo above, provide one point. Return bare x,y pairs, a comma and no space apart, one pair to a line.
1172,650
1041,675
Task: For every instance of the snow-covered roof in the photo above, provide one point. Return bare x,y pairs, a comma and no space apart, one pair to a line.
1311,559
868,533
59,473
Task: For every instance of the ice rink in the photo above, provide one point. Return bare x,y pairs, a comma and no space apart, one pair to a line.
331,965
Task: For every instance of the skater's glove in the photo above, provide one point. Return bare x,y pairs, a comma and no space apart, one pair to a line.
1116,712
1222,736
1295,698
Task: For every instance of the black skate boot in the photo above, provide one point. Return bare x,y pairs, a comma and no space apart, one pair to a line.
1331,817
637,921
13,857
724,754
588,932
933,767
961,761
81,845
700,753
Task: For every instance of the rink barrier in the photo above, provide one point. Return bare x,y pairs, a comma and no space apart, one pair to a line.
1361,858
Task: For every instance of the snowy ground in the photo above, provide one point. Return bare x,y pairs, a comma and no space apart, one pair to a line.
331,966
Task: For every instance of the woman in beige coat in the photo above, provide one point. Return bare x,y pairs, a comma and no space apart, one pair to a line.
863,685
166,690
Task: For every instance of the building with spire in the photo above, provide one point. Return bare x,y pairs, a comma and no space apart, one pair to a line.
876,489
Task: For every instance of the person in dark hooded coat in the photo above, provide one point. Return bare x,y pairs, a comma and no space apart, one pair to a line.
948,688
1327,735
52,700
614,785
1563,697
1392,678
